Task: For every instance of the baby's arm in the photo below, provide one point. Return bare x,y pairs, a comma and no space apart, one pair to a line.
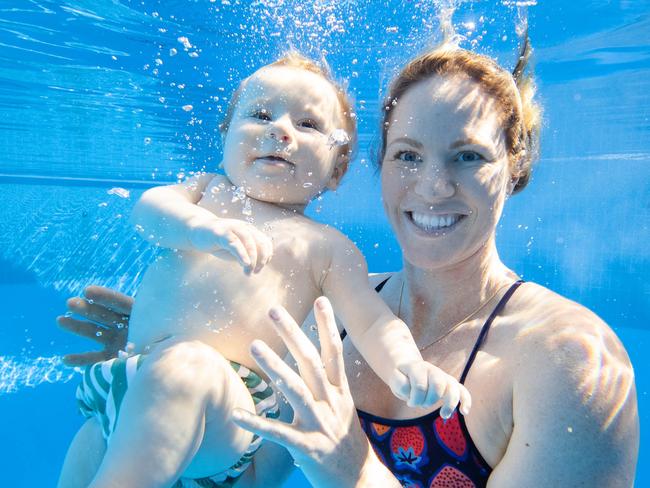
383,339
169,216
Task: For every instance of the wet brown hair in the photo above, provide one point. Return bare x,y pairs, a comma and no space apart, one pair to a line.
294,59
514,93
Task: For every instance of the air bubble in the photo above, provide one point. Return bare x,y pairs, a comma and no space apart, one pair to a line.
338,137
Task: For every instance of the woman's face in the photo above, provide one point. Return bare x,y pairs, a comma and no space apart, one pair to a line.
445,172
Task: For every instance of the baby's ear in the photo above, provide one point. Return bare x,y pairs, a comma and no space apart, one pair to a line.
340,169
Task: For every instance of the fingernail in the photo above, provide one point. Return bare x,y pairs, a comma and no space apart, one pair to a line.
274,314
320,303
255,348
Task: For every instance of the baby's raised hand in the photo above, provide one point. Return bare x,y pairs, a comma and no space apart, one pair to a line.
252,248
425,384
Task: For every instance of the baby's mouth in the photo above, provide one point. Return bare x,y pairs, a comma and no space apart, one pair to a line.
275,161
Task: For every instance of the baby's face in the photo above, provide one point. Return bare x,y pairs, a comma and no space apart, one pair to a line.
276,146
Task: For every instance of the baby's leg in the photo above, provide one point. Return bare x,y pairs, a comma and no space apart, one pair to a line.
83,457
174,420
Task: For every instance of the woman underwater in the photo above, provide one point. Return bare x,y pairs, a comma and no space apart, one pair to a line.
554,401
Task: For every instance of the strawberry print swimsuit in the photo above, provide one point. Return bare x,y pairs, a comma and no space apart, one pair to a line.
429,452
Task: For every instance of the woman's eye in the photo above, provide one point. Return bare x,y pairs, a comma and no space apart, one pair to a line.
407,156
469,157
261,114
309,124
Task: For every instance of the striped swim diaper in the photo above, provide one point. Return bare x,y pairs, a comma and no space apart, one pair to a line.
103,387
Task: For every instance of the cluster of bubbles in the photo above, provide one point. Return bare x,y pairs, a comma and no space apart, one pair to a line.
16,373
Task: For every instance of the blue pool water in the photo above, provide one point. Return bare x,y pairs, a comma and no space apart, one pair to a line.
94,98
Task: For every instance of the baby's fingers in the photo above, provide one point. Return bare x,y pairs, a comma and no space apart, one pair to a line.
437,386
419,383
450,399
234,245
465,400
264,250
249,242
401,386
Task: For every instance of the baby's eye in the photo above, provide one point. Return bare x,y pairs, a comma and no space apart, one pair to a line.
469,157
261,114
407,156
309,124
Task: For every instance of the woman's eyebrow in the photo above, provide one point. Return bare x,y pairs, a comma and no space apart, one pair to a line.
469,142
407,140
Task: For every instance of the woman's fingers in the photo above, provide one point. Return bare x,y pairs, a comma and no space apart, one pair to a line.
85,329
84,358
285,379
303,351
331,347
96,312
273,430
112,300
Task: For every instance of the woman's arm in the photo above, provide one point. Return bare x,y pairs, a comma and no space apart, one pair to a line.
325,438
574,408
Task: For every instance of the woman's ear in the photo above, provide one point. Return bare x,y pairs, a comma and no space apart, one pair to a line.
339,171
512,184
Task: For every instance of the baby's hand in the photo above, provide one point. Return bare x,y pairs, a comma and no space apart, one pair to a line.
252,248
422,384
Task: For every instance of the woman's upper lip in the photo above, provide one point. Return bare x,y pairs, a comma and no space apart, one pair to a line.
436,211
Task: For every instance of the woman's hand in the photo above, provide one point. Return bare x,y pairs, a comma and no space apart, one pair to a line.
106,313
325,438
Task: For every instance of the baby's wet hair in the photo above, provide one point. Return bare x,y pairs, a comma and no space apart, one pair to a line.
294,59
514,93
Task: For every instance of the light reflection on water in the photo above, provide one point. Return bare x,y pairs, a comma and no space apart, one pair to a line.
17,373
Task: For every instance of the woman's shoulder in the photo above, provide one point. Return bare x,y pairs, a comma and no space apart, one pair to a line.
566,339
538,310
573,383
562,346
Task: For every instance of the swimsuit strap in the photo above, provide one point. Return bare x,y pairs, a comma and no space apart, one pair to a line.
381,285
486,328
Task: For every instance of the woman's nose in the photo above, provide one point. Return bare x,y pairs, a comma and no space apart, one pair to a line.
434,182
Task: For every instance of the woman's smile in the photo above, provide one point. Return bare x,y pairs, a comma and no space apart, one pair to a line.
434,224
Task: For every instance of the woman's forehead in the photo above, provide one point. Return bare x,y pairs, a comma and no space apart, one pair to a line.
447,103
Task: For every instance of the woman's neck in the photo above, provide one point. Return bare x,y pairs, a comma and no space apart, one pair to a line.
435,300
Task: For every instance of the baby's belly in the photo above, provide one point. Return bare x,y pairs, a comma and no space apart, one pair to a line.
200,296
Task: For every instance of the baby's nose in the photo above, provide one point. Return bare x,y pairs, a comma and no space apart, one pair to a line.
279,136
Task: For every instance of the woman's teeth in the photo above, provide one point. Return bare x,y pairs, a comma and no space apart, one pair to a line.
431,223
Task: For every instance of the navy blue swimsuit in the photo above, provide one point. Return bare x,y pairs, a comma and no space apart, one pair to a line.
427,452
